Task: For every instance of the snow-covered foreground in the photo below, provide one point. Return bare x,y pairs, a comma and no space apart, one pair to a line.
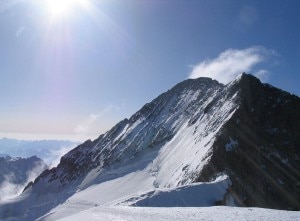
123,213
192,195
188,202
117,192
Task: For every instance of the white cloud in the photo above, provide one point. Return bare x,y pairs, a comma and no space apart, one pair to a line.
230,63
84,126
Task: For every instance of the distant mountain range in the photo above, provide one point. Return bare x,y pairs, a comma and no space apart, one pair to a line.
201,142
48,150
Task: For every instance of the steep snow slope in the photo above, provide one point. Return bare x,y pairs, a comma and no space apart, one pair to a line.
148,130
176,129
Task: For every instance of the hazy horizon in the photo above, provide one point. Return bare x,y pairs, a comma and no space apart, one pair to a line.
45,136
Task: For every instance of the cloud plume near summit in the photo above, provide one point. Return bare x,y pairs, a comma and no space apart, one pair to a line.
230,63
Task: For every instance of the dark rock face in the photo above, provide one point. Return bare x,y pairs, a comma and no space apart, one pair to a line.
259,147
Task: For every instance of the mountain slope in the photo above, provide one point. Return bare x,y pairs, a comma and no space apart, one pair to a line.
194,132
159,124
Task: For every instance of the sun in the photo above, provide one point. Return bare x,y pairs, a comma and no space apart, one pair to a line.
64,8
60,7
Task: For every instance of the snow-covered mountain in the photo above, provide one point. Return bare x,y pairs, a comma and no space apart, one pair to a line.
16,172
242,139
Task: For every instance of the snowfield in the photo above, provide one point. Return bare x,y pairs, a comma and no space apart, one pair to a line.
188,202
192,195
124,213
129,190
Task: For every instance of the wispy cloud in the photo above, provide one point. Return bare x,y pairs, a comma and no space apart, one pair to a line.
230,63
20,31
86,124
55,155
9,188
262,74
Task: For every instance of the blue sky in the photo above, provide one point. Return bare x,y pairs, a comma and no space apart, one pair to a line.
73,71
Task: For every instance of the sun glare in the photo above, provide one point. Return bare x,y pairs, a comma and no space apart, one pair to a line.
63,7
58,7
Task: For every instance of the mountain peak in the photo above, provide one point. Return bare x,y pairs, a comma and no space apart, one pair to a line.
244,79
196,84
